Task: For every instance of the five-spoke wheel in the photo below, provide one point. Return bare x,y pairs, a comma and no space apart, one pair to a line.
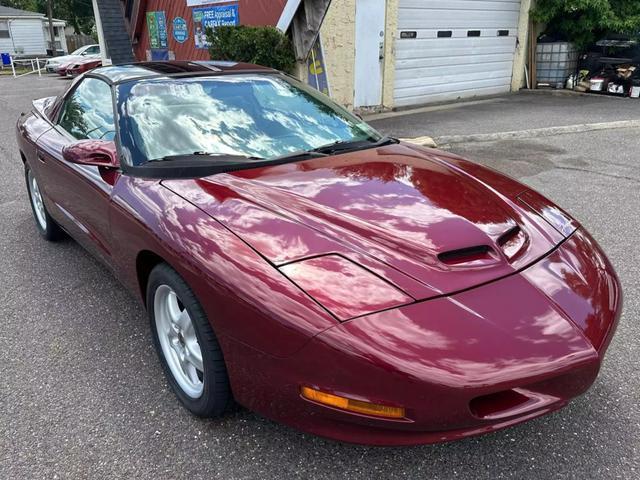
178,340
47,226
186,344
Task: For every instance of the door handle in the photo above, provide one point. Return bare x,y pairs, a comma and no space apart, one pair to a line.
41,158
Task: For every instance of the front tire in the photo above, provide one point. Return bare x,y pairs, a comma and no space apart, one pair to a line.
47,226
186,345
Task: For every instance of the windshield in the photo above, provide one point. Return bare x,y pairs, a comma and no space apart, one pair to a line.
257,116
78,51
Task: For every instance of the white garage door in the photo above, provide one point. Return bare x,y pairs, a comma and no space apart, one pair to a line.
453,49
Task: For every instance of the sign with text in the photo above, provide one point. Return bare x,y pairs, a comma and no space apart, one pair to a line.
212,17
157,28
180,30
152,28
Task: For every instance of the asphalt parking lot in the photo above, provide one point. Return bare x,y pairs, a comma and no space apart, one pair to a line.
83,396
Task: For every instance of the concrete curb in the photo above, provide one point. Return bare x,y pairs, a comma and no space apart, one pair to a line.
520,134
536,133
422,141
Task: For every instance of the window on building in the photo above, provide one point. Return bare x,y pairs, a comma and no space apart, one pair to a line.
4,29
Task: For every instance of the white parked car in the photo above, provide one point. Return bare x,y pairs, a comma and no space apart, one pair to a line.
88,51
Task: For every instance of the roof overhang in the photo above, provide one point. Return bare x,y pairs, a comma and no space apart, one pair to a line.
20,17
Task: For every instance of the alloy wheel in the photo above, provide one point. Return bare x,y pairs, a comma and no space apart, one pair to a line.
179,342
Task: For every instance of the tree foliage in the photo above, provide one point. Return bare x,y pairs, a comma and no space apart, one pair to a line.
77,13
584,21
260,45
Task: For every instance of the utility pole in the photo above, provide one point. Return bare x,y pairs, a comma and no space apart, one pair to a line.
52,35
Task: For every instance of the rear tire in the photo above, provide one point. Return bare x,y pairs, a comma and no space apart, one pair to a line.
186,345
47,226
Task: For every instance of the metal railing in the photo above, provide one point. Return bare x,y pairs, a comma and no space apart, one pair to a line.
32,63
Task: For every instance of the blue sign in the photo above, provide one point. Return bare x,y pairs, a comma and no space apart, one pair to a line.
161,19
212,17
180,30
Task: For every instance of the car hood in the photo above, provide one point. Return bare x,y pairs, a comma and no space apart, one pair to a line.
70,58
63,59
424,221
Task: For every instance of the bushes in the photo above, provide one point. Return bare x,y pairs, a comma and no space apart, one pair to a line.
260,45
585,21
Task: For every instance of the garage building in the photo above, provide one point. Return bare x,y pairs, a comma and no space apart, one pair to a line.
454,49
383,54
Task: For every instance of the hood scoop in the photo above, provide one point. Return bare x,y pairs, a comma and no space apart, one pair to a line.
470,256
513,242
412,218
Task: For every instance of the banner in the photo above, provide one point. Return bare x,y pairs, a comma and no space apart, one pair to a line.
162,29
152,28
317,70
157,27
212,17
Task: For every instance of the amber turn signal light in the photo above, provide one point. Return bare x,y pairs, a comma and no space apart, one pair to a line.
351,405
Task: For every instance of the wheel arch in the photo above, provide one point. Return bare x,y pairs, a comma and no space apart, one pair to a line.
146,261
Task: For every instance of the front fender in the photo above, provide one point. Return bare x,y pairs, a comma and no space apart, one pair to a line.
244,296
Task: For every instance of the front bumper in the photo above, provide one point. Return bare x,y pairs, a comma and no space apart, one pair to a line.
474,362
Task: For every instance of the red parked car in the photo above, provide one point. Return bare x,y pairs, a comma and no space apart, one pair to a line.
62,69
77,67
295,261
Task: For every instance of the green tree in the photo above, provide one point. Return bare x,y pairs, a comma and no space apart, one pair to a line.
584,21
28,5
265,46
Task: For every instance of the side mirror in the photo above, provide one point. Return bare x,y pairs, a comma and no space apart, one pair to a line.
98,153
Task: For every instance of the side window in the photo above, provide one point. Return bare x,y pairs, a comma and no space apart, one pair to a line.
92,50
88,112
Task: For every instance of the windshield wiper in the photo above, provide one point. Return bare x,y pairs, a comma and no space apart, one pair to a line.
346,145
298,155
223,157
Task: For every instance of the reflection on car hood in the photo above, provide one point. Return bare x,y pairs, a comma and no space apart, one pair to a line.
70,58
427,222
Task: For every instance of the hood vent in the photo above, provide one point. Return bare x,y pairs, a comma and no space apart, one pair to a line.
477,254
512,242
509,236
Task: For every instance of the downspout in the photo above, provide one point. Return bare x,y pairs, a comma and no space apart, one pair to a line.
13,42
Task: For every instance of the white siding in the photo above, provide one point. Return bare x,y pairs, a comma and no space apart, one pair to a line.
60,37
27,36
5,45
431,69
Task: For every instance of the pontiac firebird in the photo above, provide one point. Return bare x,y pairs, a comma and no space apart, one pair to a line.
293,260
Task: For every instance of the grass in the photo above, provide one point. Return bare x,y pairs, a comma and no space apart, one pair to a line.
19,71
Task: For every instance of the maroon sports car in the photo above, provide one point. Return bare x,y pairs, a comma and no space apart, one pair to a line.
295,261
